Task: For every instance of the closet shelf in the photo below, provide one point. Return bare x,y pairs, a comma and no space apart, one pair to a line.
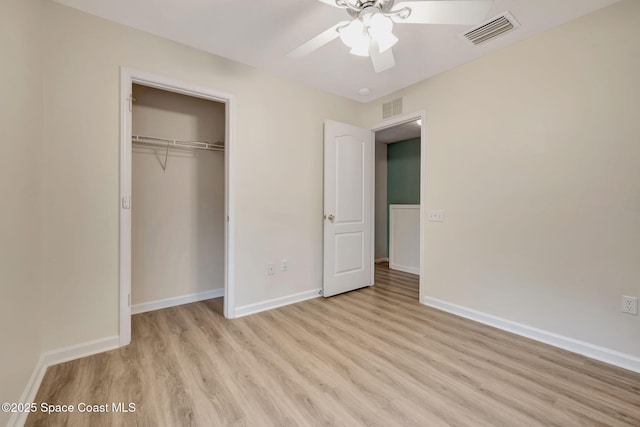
174,143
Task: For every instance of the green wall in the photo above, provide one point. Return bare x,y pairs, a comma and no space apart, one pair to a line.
403,174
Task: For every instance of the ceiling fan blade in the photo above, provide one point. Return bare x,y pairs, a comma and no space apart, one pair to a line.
342,4
317,42
463,12
381,61
330,2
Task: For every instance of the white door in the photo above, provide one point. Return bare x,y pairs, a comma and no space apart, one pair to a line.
348,194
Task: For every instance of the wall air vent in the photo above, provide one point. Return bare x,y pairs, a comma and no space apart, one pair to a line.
490,29
392,108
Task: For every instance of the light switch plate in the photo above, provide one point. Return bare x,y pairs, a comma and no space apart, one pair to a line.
436,215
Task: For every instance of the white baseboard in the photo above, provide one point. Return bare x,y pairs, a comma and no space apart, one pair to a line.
379,260
583,348
171,302
29,395
245,310
404,268
54,357
77,351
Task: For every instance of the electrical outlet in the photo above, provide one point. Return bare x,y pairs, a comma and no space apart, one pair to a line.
629,305
284,265
271,269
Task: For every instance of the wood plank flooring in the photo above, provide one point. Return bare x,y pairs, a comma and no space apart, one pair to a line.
373,357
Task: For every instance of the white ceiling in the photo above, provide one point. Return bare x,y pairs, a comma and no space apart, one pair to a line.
260,33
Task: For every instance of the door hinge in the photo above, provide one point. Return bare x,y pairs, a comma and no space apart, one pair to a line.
131,99
129,300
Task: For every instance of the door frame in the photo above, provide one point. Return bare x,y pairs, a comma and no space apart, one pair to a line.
129,76
395,121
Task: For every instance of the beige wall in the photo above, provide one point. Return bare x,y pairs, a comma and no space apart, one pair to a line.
177,231
20,228
533,153
278,169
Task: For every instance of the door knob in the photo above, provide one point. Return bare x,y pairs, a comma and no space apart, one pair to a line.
330,217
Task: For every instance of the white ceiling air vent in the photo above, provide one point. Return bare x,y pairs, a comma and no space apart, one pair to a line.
490,29
392,108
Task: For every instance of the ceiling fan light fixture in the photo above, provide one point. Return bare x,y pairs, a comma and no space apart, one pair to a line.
380,29
386,41
355,37
380,24
350,33
361,49
372,26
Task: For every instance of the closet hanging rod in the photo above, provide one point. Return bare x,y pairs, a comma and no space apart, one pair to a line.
174,143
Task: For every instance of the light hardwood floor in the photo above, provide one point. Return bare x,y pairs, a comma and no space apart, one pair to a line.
373,357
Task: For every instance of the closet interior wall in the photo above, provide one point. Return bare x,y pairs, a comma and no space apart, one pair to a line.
178,243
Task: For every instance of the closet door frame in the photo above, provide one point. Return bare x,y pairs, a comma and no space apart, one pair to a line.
128,77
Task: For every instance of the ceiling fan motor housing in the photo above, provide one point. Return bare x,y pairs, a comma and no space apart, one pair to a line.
368,7
366,14
358,7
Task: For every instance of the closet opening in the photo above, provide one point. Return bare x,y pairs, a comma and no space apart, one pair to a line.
176,219
177,211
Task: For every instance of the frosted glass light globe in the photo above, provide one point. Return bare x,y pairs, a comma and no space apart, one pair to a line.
380,29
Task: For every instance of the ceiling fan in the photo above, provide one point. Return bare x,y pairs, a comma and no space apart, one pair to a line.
370,33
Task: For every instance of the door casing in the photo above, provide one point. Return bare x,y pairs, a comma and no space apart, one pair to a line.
395,121
128,77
